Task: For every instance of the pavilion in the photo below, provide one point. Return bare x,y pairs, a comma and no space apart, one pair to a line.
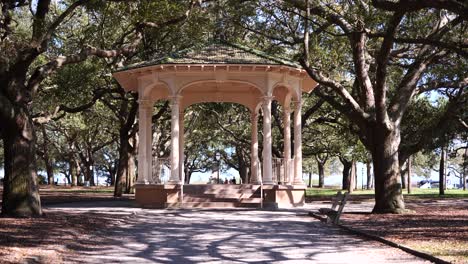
219,72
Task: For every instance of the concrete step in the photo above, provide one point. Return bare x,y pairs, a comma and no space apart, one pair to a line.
191,199
221,195
224,187
212,205
202,205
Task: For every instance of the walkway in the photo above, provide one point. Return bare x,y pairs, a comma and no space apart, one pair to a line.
225,236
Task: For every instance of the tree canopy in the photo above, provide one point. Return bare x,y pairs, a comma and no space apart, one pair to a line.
391,74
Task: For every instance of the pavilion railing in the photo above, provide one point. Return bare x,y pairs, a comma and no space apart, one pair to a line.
161,170
279,176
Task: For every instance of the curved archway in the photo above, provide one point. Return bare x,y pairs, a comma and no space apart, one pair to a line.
225,91
284,94
158,91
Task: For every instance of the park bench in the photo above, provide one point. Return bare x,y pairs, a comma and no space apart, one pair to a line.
332,214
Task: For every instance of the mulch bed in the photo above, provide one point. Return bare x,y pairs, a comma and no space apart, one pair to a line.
50,238
56,235
438,227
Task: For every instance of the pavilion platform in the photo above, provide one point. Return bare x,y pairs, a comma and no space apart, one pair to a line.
219,196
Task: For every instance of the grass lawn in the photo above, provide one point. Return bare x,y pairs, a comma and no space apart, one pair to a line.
76,189
415,192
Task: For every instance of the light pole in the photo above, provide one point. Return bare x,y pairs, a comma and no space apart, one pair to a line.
218,160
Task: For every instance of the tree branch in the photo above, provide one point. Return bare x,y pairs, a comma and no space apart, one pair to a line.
381,71
457,7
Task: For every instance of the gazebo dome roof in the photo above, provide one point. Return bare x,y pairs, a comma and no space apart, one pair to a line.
215,53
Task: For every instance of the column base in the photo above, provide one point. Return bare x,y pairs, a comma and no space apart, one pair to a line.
144,182
174,182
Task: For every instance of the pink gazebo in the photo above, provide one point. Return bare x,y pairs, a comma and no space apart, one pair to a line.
219,72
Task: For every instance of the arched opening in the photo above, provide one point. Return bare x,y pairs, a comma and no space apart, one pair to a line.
217,143
239,92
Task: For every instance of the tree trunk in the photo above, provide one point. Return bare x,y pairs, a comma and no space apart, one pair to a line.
187,175
88,167
353,181
442,171
346,173
49,170
321,173
20,189
76,179
310,180
131,174
121,176
243,170
409,170
464,168
114,172
404,173
384,150
47,161
369,176
89,172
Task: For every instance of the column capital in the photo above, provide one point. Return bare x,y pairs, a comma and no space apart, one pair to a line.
175,100
267,99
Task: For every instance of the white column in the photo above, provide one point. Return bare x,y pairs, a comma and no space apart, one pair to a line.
267,141
181,145
287,142
254,149
297,144
175,108
145,168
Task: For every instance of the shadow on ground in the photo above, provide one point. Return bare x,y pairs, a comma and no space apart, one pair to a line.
220,236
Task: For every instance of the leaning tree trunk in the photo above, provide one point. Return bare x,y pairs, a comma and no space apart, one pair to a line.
442,171
384,150
20,189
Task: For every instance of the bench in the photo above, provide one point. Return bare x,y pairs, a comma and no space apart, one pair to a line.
332,214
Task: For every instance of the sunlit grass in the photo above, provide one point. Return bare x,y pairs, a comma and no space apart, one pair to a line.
452,251
77,189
